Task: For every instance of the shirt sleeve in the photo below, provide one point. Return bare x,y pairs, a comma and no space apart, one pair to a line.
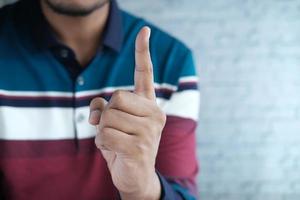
176,163
173,191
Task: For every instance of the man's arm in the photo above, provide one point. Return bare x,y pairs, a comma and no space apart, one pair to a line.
129,134
176,160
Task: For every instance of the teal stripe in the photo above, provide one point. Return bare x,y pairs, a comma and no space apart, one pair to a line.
183,192
22,69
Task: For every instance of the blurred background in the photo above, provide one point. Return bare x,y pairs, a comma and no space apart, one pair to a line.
248,58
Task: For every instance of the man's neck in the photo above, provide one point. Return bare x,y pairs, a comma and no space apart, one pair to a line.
81,34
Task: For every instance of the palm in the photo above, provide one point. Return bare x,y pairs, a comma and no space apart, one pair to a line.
120,167
129,128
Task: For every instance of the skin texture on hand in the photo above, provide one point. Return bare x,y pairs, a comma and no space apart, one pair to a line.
129,129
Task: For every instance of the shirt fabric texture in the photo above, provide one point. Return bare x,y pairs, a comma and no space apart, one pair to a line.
47,148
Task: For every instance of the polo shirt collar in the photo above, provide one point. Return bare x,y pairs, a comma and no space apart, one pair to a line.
43,36
113,34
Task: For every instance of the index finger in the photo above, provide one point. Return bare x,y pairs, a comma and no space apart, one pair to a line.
143,75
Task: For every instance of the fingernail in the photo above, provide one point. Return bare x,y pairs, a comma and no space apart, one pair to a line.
147,36
94,116
149,32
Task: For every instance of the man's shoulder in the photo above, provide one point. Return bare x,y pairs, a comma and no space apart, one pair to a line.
6,12
170,56
159,37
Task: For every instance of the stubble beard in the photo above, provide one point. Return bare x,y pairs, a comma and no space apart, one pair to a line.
73,10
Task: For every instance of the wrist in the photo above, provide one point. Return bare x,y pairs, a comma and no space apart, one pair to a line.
150,191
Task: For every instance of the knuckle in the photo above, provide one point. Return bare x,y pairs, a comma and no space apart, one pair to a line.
144,68
95,101
159,116
106,115
162,118
118,97
118,94
141,50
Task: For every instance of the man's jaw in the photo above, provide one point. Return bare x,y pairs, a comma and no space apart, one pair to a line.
73,10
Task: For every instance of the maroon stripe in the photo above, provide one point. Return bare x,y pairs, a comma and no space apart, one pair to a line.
76,177
33,148
70,169
188,83
176,126
13,97
94,96
176,157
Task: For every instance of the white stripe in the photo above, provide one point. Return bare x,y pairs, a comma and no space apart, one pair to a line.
84,129
183,104
44,123
103,90
59,123
165,86
35,123
36,94
188,79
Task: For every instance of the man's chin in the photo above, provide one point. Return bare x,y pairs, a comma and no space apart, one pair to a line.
69,8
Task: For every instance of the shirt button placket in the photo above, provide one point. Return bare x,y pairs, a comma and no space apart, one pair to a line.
64,53
80,118
80,81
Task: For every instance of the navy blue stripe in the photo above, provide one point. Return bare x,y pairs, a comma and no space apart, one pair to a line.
35,103
187,86
69,102
86,101
80,102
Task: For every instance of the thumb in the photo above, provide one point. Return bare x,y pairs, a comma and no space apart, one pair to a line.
97,105
143,75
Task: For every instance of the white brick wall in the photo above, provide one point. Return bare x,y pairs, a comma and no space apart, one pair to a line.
248,54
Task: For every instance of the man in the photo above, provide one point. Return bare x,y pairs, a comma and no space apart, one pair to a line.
77,73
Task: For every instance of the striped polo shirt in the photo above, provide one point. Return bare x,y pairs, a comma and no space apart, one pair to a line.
47,148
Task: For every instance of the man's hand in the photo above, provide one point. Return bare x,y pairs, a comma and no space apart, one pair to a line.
129,129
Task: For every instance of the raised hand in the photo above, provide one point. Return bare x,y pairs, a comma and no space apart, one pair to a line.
129,129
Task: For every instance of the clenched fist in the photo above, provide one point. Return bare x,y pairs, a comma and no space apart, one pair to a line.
129,129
